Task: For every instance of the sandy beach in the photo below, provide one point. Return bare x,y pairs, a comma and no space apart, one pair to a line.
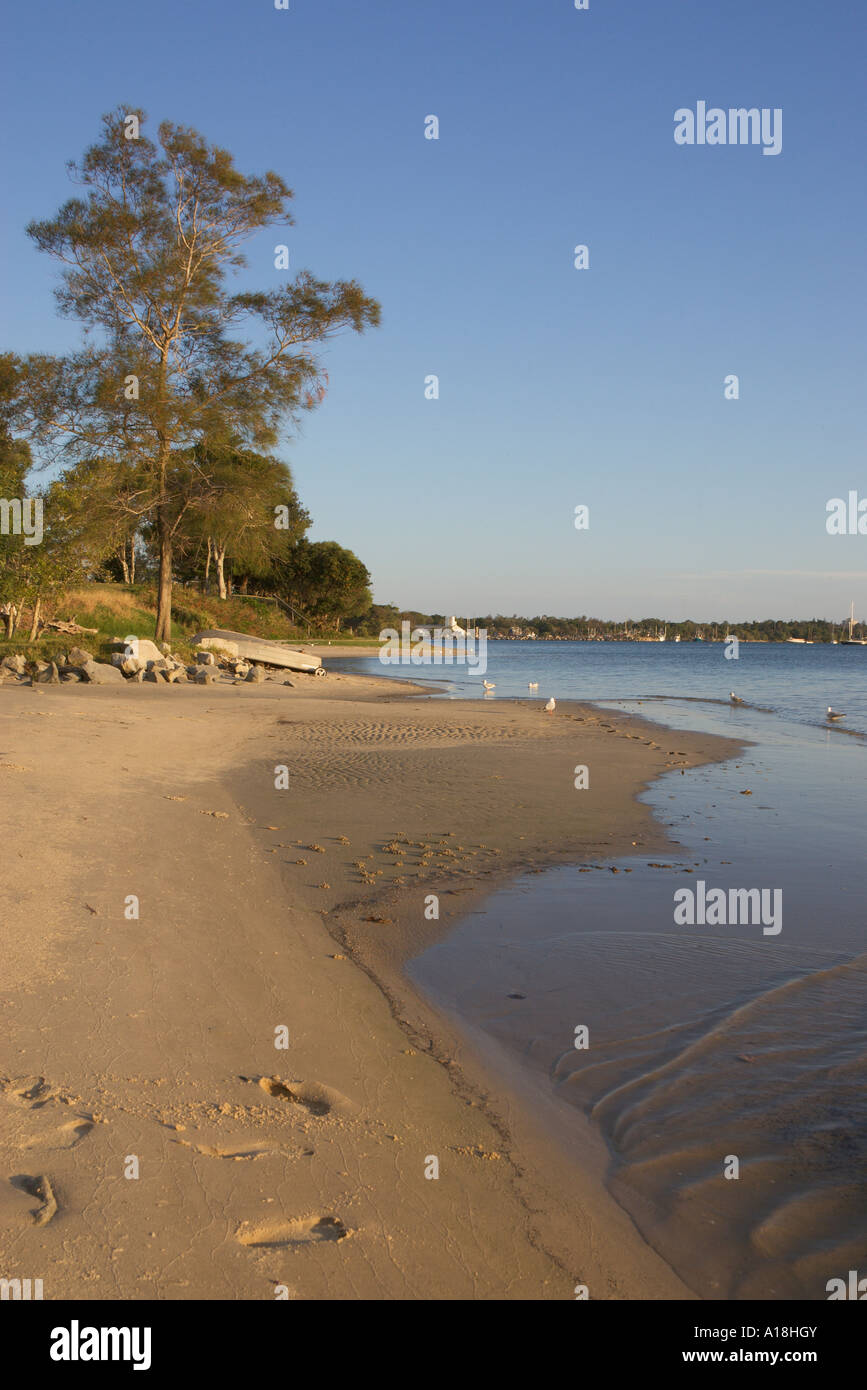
215,1080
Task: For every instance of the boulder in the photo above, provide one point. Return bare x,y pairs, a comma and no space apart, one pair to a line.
141,647
205,657
49,675
15,664
70,676
78,657
205,675
98,673
127,664
255,674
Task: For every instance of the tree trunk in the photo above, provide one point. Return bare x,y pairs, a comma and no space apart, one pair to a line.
132,558
207,579
124,563
220,557
163,631
244,582
8,611
34,626
163,628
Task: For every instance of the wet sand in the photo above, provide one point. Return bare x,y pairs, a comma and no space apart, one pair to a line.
725,1071
215,1079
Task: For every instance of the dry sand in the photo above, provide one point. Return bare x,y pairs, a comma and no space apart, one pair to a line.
146,1045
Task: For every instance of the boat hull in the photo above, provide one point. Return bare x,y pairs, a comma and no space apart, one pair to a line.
259,649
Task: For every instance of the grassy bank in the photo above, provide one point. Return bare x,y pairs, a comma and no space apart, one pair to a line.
122,610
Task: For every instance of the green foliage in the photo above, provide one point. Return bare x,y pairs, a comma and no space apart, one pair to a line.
327,581
146,253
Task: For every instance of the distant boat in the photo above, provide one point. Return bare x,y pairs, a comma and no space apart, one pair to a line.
677,638
698,637
799,641
851,641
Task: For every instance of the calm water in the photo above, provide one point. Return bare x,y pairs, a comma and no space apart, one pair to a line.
797,683
706,1042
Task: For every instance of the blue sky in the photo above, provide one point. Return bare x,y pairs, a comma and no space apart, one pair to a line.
557,387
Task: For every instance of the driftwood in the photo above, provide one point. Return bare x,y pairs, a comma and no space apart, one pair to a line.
72,628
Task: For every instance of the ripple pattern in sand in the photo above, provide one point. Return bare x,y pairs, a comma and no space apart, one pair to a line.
778,1081
349,753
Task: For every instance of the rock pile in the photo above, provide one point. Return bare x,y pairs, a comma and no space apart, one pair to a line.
137,660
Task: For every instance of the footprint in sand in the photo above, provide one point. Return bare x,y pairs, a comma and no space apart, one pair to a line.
35,1096
39,1187
63,1137
305,1230
318,1100
240,1152
31,1091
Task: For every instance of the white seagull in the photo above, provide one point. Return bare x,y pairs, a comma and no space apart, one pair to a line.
835,714
551,705
489,685
735,699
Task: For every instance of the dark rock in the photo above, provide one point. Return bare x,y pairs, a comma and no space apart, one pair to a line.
98,673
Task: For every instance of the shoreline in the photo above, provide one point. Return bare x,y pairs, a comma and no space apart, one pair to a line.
326,1193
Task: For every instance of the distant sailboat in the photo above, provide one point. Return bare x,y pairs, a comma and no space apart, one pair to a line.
851,641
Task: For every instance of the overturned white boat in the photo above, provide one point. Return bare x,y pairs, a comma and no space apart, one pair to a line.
258,650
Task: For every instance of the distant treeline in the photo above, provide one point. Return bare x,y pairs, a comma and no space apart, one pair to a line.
546,628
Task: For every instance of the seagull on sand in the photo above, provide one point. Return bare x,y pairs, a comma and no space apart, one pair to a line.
735,699
835,714
532,685
551,705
